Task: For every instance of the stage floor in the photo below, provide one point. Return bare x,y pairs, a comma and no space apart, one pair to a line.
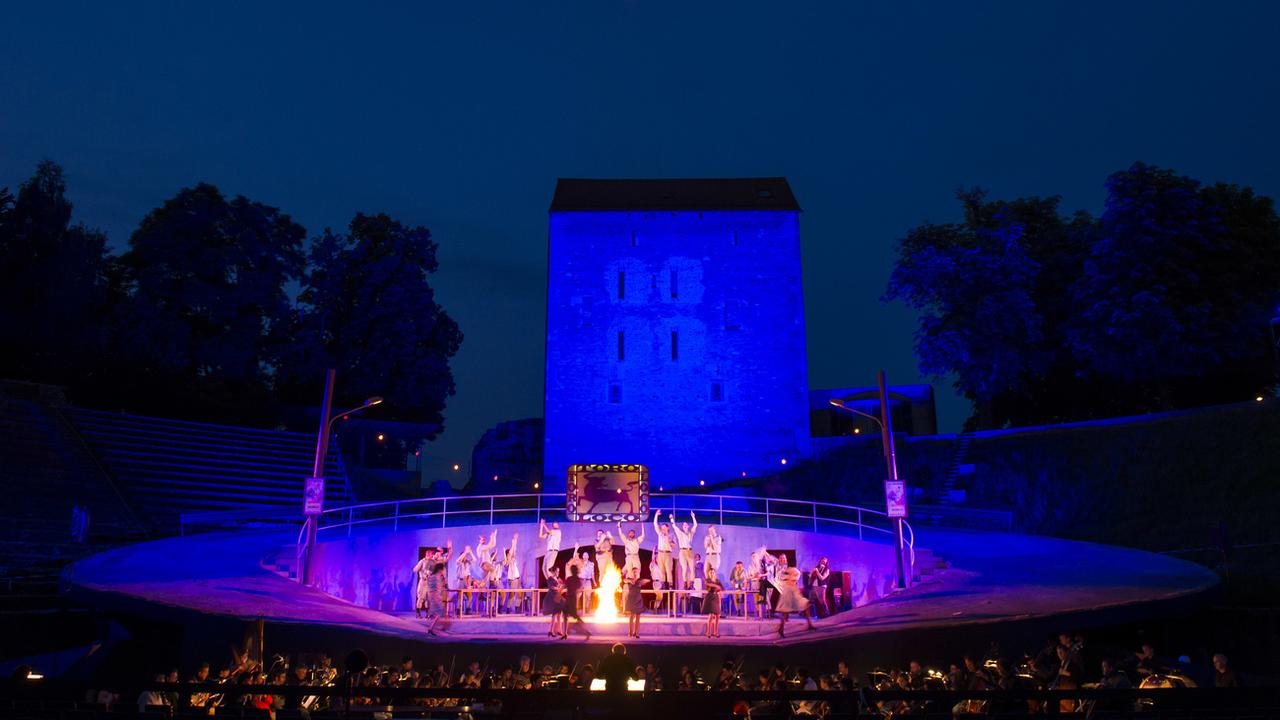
993,577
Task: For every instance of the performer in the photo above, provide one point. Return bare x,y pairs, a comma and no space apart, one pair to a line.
492,580
604,552
789,598
463,570
585,570
684,536
656,572
738,582
552,535
631,544
423,570
511,570
553,603
633,600
711,543
573,589
759,575
711,603
818,581
485,547
437,596
664,552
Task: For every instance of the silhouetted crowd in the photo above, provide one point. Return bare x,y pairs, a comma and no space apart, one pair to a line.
1059,665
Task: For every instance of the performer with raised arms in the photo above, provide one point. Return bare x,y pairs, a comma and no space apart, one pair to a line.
711,544
684,536
552,534
664,552
631,544
604,552
511,573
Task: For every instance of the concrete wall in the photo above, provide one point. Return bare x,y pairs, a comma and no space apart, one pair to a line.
733,399
373,569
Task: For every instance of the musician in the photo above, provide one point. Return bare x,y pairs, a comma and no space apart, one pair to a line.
712,544
1223,676
1112,677
684,537
552,534
663,557
631,544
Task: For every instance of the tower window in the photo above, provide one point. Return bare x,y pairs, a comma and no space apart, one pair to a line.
717,391
622,284
633,238
675,284
622,346
615,393
675,345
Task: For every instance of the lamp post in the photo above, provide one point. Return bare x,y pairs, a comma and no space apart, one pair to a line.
885,421
313,499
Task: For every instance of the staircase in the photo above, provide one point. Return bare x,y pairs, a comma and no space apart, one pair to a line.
47,471
168,467
952,492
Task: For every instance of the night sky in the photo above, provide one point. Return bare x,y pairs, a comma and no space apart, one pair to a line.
460,117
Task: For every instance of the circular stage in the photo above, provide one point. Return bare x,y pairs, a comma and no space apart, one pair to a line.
976,578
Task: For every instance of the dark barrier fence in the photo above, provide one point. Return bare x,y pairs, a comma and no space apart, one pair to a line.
26,701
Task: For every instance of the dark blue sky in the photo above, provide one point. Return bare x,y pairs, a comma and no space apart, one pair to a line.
460,116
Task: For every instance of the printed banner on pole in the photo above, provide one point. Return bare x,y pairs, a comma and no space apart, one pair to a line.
895,498
313,496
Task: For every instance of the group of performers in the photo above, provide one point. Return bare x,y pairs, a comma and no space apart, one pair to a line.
568,596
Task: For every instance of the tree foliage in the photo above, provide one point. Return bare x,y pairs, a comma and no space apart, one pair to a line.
208,310
218,311
1161,302
53,284
369,311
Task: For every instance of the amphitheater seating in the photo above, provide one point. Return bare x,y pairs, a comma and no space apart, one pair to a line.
45,471
169,467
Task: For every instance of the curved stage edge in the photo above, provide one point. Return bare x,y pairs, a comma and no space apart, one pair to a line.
993,578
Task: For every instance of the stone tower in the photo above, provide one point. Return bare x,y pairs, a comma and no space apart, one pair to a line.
675,329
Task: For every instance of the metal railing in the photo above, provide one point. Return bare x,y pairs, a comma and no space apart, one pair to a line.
770,513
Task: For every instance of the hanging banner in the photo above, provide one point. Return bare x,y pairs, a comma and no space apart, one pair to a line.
313,496
895,498
607,493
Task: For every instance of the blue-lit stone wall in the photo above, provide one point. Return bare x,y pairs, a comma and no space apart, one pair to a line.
675,340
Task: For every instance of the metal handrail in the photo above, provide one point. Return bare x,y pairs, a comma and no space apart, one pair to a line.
346,516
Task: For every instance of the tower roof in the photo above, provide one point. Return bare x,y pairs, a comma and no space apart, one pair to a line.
674,194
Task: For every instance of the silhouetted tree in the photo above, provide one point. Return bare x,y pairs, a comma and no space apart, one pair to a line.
1162,302
52,284
368,310
207,310
991,297
1177,293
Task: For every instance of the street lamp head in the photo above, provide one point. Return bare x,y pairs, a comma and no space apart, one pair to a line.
835,402
375,400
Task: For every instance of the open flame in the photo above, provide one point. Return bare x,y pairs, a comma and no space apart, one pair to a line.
606,604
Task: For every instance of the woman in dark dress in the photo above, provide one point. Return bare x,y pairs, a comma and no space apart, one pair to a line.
711,603
553,603
633,601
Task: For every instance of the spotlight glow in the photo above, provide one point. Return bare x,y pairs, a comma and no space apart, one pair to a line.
607,607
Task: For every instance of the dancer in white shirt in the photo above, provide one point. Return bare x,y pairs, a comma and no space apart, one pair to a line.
511,571
711,544
552,534
664,553
631,544
604,551
684,536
